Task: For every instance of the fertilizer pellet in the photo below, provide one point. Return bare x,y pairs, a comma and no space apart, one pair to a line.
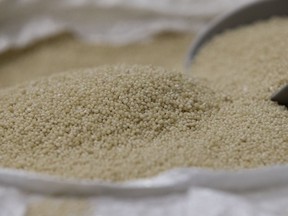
106,123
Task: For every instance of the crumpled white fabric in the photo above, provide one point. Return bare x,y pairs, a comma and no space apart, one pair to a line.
254,192
12,202
109,21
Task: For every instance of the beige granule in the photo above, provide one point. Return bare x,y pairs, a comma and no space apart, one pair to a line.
59,207
113,123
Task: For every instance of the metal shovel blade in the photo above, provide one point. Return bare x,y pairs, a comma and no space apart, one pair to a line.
281,97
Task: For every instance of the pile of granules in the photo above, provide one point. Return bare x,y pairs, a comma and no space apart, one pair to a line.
120,123
247,65
112,122
248,62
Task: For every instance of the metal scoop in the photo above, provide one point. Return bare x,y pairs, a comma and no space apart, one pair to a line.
281,96
247,14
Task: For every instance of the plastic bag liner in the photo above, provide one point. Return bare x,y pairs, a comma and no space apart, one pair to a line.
176,192
109,21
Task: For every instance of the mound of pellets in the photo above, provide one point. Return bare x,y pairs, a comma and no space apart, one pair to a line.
248,64
112,122
126,122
